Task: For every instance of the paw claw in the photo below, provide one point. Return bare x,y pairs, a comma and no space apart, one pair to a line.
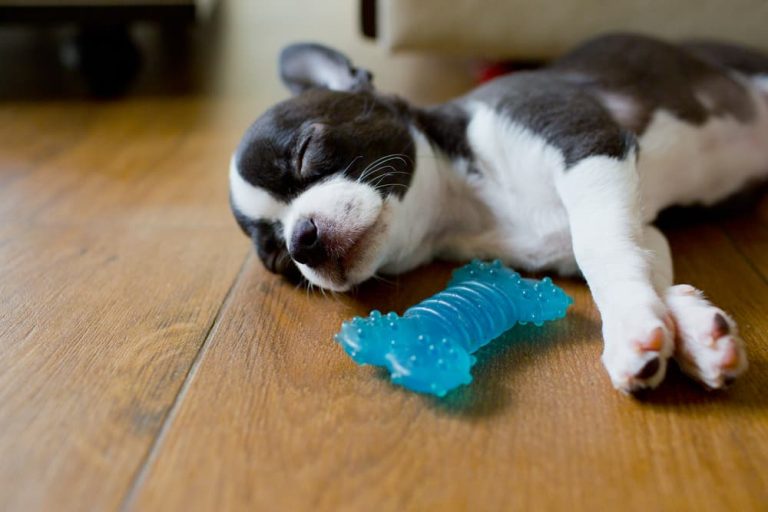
650,369
721,327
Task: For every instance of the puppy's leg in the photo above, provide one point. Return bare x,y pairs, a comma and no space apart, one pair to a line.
660,259
600,195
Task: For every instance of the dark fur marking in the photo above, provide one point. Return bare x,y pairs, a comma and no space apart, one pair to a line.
656,75
563,114
731,56
446,128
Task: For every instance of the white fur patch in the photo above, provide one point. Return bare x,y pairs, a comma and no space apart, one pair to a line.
529,226
251,201
622,107
681,163
600,194
416,221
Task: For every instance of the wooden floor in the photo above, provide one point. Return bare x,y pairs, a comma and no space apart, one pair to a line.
149,363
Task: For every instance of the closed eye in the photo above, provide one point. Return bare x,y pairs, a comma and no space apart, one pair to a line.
300,164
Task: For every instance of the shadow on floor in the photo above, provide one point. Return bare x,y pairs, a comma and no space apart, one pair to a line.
687,396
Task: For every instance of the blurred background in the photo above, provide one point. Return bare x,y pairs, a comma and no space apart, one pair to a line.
223,48
108,48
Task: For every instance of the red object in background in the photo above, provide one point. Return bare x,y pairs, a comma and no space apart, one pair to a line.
488,71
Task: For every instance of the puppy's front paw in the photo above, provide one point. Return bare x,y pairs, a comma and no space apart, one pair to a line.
708,347
638,343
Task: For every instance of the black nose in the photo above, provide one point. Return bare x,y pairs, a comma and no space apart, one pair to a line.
306,245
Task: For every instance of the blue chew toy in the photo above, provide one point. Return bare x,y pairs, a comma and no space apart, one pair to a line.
429,348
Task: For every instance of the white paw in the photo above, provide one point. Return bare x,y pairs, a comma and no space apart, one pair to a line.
708,347
638,343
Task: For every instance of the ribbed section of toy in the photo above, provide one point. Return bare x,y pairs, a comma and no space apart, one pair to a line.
429,349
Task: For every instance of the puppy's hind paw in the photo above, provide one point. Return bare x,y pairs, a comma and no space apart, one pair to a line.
708,347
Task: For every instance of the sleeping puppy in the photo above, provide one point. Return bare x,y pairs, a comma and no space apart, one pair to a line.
560,169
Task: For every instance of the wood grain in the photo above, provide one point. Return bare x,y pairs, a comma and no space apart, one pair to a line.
290,423
109,283
748,232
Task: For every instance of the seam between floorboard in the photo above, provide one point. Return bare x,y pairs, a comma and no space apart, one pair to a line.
141,474
743,255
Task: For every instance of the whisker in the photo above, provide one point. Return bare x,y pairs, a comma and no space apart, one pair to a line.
402,155
380,161
377,277
369,170
381,178
382,168
351,163
387,160
336,297
392,172
385,185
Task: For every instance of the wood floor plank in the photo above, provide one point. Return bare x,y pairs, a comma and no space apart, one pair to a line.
290,423
98,329
749,233
116,251
31,134
148,162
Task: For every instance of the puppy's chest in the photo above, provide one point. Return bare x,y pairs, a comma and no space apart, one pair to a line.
515,181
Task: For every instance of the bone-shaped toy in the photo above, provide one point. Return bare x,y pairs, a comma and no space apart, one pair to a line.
429,349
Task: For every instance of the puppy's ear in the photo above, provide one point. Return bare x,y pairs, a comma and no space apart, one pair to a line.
306,65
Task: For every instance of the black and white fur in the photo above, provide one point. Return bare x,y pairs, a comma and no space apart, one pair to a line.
559,169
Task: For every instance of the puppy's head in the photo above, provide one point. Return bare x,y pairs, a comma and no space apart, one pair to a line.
316,177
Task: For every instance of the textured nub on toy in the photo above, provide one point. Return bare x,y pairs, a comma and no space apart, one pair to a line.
429,349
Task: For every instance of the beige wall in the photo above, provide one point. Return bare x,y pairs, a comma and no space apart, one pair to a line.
544,28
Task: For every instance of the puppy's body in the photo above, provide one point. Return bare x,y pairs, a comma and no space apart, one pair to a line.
705,142
559,169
